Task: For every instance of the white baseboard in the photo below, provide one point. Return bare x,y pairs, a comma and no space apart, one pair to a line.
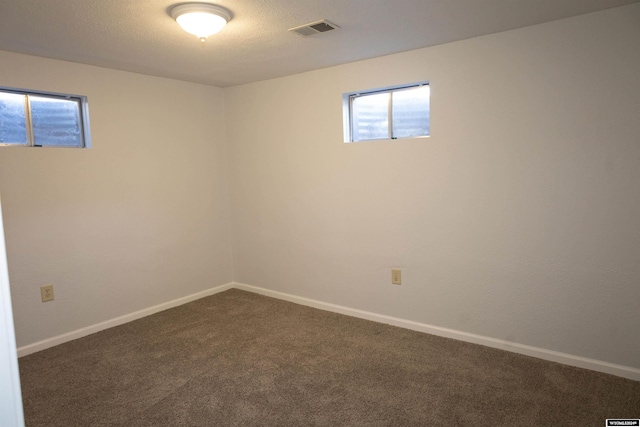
79,333
553,356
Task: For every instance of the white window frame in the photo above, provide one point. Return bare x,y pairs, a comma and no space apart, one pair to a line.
83,118
347,110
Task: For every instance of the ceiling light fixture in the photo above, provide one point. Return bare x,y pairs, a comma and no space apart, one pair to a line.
200,19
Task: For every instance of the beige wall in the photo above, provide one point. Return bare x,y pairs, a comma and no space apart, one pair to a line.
516,220
139,219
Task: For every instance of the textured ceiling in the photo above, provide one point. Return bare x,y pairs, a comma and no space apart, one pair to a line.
139,35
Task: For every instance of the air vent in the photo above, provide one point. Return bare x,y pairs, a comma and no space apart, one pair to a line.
314,28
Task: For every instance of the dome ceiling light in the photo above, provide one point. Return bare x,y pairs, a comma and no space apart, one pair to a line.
200,19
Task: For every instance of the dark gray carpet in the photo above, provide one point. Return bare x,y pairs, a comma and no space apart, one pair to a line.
241,359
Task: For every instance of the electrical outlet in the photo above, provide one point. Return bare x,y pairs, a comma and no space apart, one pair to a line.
396,276
47,293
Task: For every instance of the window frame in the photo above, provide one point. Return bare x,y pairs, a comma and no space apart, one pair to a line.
348,116
83,116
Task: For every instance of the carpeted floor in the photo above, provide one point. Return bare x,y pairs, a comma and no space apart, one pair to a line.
241,359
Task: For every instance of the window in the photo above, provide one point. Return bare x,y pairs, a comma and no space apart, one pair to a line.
40,119
391,113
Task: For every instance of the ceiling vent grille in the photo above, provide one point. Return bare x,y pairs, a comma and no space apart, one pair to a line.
314,28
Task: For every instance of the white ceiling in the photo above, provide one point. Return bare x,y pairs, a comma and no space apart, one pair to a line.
139,35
